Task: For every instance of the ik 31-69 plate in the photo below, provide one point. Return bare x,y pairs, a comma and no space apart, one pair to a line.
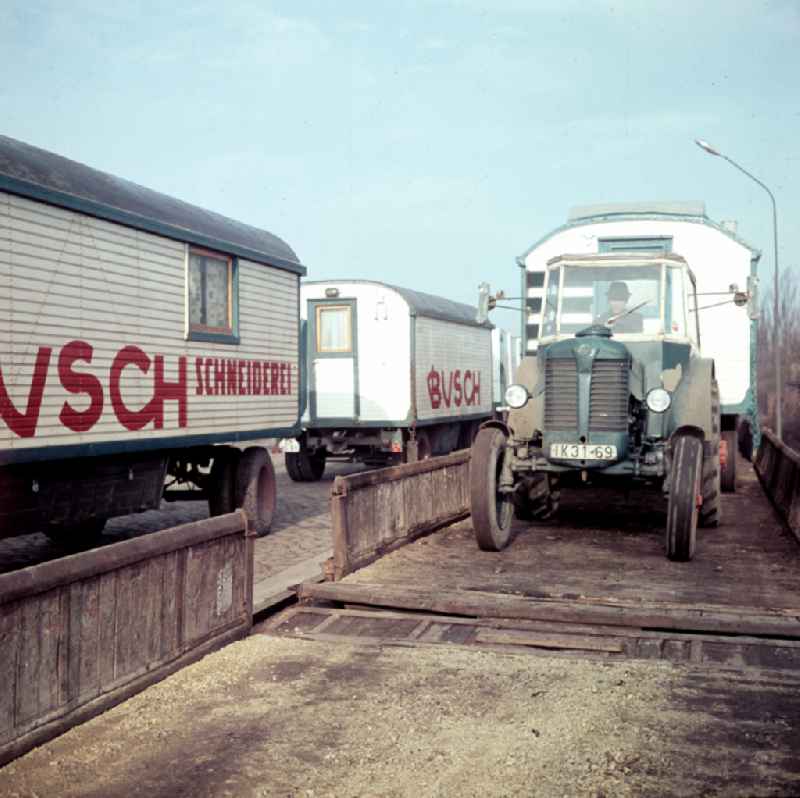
582,451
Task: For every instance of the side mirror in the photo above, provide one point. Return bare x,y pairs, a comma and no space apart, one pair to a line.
484,304
752,297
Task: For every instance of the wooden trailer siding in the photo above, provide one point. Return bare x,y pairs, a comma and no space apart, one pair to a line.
453,369
68,277
80,634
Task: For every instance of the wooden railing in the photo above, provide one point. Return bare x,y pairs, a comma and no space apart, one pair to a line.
376,511
778,468
82,633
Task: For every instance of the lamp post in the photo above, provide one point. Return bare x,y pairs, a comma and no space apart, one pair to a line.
704,145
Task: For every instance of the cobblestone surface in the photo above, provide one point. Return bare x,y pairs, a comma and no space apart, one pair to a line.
301,529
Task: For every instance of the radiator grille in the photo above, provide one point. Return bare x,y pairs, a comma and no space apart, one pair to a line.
608,410
561,394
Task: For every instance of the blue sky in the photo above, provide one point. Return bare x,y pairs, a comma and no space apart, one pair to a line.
423,143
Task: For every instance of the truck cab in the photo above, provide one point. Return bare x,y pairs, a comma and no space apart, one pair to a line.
617,392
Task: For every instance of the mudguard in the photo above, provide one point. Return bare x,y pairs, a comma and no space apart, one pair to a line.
691,400
527,419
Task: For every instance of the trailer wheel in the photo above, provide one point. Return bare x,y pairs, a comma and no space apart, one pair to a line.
256,489
312,466
222,482
291,460
711,509
304,467
76,537
491,511
685,487
729,467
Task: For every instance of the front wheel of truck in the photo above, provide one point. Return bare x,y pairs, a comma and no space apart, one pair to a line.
492,511
684,497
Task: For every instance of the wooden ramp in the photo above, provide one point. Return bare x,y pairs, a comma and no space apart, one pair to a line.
594,583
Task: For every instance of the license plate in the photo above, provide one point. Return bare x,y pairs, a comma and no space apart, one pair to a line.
288,445
582,451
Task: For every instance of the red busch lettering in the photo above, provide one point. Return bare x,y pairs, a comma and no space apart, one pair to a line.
162,390
435,388
451,388
212,376
24,424
75,382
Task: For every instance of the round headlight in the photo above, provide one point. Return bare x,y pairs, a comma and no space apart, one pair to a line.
516,396
658,400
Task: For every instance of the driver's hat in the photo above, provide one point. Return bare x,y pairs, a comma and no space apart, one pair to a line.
618,290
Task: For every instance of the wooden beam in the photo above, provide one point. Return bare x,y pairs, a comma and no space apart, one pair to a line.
644,615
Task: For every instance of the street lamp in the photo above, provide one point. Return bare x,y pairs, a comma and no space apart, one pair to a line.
704,145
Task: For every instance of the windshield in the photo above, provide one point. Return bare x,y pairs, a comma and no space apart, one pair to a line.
628,297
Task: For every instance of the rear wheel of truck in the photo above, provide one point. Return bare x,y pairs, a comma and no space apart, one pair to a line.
256,489
222,481
76,537
538,498
684,497
304,467
729,468
491,511
711,509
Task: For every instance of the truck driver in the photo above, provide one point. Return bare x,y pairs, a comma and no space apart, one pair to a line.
618,296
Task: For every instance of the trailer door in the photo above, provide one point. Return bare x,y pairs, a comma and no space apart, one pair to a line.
333,384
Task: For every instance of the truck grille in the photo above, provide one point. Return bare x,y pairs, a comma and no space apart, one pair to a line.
608,410
561,394
608,407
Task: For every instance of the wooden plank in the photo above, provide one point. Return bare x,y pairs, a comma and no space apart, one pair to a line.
560,642
361,523
71,685
66,570
483,605
10,620
169,603
107,626
343,485
151,608
89,633
339,524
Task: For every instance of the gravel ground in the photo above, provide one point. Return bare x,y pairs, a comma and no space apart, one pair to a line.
284,717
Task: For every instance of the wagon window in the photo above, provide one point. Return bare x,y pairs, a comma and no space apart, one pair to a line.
333,329
211,290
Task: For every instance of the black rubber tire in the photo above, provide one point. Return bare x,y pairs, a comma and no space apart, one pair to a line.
728,478
491,512
222,481
256,490
291,460
538,498
77,537
711,509
685,485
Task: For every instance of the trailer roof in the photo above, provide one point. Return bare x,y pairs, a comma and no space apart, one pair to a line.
422,304
37,174
693,212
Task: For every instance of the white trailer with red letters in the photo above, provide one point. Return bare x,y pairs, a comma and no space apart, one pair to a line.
138,334
393,374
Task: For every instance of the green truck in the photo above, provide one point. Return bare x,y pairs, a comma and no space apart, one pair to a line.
617,389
